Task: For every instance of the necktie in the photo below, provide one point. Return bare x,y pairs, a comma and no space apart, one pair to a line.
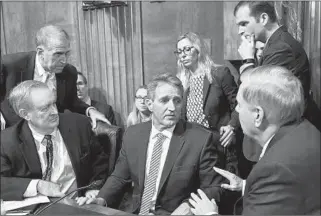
49,153
150,183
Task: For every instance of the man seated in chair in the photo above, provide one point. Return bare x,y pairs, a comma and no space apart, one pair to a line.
82,93
166,158
48,153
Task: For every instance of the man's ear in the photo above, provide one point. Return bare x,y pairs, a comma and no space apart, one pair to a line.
39,50
149,104
24,114
264,18
259,116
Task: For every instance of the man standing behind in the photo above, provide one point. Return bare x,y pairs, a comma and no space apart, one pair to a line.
286,179
47,153
82,93
257,21
165,158
48,65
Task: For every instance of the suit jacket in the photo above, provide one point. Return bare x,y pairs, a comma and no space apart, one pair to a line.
20,161
189,166
281,50
287,178
219,99
219,102
106,109
19,67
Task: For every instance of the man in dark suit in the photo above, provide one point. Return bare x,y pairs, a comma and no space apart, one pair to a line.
82,93
257,21
166,158
49,65
47,153
286,179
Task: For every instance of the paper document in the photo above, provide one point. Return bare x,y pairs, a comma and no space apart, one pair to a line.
11,205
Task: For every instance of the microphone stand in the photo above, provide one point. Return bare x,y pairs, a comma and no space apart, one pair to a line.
56,201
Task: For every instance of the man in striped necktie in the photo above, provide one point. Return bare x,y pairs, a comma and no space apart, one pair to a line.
167,159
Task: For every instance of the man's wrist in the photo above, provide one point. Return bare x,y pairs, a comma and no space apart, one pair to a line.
248,60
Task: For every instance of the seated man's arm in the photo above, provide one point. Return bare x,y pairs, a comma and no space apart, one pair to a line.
275,190
210,181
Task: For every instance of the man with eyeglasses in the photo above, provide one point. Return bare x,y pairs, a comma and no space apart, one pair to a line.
82,93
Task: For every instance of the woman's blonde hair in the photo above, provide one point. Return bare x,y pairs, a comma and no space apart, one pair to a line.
134,117
205,63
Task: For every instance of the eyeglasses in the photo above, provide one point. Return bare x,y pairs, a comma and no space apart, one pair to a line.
140,98
186,50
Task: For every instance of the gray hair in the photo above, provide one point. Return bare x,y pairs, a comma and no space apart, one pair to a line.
50,33
163,78
20,95
277,91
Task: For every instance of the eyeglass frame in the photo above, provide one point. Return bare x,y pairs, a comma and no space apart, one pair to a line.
141,98
186,50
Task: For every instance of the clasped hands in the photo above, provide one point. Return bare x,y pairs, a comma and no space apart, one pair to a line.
202,205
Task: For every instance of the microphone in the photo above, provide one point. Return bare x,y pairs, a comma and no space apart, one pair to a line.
93,185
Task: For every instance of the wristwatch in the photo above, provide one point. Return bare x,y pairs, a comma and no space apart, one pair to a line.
249,60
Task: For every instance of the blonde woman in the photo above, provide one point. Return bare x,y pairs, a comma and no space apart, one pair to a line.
140,112
210,94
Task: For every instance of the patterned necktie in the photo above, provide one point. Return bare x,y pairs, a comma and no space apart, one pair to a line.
150,183
49,154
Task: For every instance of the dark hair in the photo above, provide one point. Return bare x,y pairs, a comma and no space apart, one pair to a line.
163,78
257,8
83,76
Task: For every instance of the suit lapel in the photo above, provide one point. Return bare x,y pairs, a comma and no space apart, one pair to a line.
29,149
175,147
61,87
206,88
143,136
69,136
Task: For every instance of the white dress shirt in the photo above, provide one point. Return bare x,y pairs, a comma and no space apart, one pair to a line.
261,155
152,140
62,170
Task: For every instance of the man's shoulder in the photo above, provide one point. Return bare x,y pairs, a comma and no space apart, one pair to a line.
195,130
11,134
16,58
73,118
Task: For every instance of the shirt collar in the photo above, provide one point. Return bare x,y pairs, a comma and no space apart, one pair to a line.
38,136
265,146
168,132
88,101
39,68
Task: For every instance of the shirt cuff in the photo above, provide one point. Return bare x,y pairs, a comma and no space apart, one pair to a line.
246,66
243,187
211,213
87,110
31,189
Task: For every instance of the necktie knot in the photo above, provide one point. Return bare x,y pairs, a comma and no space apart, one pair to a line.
160,136
46,139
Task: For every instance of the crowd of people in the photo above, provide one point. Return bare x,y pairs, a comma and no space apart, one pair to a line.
182,148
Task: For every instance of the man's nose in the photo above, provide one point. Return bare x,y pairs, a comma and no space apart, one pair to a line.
241,31
64,59
171,105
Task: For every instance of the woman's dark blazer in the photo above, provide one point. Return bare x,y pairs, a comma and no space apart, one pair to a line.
219,99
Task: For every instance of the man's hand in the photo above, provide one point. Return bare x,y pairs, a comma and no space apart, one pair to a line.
236,183
91,193
247,47
50,189
3,122
202,204
85,200
227,134
183,209
96,115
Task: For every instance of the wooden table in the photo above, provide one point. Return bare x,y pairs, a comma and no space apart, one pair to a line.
70,207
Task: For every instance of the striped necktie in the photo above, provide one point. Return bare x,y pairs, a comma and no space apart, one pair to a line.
150,183
49,153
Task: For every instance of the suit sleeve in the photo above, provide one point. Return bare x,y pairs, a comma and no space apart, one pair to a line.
210,181
274,191
12,188
113,189
230,91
